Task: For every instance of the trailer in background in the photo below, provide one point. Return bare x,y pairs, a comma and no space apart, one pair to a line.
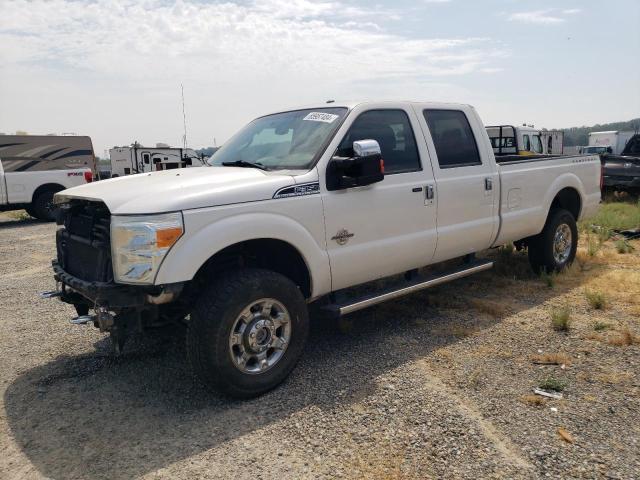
552,141
35,167
518,140
615,139
37,153
139,159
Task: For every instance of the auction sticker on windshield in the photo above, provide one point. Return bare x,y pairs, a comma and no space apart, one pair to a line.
321,117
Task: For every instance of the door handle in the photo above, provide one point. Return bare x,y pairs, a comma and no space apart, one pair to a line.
429,192
488,183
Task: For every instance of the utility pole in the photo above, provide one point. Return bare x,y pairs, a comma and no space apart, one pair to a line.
184,120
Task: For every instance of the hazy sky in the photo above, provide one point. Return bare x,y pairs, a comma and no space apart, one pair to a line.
112,69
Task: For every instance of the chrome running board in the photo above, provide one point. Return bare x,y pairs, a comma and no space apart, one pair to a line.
407,287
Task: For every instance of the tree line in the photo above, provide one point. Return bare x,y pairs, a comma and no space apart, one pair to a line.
575,136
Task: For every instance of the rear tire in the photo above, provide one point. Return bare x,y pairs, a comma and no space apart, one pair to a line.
42,206
247,332
555,247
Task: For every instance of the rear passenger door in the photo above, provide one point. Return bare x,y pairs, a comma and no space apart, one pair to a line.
466,180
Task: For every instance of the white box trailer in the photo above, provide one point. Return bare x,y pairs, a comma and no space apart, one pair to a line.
615,139
139,159
552,141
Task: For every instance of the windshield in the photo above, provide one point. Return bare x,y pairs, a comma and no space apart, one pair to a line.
595,150
288,140
537,144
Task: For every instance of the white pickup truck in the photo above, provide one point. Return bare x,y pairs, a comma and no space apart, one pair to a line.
298,207
34,167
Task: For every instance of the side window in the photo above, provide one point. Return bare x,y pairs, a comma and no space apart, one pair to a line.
455,144
526,143
393,132
537,144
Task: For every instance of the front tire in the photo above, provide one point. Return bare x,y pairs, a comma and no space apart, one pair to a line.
555,247
247,332
42,206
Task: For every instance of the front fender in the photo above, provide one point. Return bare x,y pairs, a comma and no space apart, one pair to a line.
204,238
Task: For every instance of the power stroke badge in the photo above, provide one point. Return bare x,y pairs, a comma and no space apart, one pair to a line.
342,236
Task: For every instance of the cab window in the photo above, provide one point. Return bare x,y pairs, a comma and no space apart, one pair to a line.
393,132
452,136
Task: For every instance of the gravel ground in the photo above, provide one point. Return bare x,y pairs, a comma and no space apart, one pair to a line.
430,386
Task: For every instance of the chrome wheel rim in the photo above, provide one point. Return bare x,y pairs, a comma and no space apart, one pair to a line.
260,336
562,243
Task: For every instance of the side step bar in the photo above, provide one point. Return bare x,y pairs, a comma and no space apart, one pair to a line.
407,287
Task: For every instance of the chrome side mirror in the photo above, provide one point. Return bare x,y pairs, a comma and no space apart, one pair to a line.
364,148
364,168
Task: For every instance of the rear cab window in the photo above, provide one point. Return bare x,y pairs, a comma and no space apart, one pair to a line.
453,138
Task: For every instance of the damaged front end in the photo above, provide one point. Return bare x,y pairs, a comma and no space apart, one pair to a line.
84,270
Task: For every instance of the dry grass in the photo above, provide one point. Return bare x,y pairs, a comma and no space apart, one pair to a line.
594,336
596,299
565,435
549,279
593,245
608,377
552,359
561,319
625,339
19,215
613,378
601,326
534,400
623,247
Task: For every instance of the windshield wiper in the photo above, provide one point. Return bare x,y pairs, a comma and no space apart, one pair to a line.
245,164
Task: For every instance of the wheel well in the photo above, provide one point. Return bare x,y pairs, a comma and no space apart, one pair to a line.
568,199
55,187
267,253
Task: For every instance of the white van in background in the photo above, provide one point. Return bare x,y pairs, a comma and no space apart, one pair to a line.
35,167
139,159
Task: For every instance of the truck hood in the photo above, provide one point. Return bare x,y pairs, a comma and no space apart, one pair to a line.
180,189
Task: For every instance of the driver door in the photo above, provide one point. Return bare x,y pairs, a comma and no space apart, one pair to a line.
387,227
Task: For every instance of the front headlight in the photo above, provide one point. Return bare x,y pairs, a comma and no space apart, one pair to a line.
139,244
